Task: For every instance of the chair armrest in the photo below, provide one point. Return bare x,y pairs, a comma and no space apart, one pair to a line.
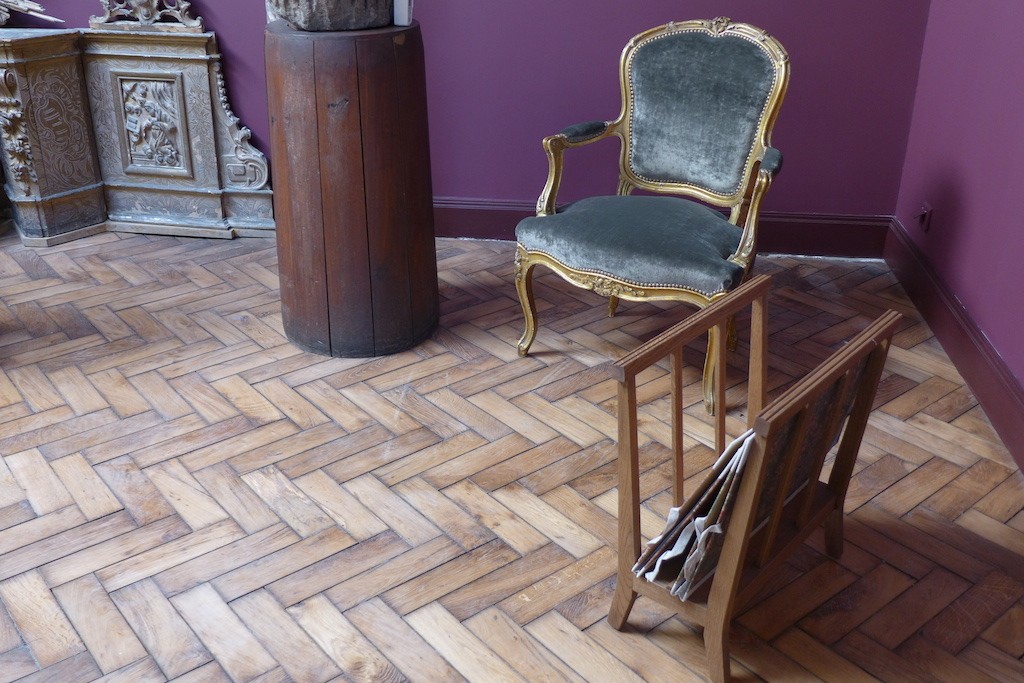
771,161
583,132
555,145
771,165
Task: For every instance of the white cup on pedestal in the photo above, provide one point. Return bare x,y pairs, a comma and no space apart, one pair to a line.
403,12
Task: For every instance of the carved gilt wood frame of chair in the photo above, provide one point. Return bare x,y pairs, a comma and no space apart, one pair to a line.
780,499
699,100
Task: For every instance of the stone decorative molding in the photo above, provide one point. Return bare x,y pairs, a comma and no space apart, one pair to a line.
17,148
244,166
146,14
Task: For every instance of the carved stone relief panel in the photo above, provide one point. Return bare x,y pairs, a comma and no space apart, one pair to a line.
174,156
152,111
63,126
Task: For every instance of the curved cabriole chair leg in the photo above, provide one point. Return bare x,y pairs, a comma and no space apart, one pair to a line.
613,303
524,287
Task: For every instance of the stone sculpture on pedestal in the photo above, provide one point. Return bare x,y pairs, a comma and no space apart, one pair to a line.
331,15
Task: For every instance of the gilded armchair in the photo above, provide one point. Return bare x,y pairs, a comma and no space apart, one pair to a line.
699,99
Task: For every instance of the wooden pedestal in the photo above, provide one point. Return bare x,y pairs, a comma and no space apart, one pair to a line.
352,193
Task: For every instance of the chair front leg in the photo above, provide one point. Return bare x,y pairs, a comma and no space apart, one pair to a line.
524,287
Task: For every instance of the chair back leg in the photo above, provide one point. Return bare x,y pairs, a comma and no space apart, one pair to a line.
714,361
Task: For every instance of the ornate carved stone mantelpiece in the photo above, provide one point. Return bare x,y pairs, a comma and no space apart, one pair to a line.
168,155
175,159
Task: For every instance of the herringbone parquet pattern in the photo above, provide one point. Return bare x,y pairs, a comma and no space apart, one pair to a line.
184,495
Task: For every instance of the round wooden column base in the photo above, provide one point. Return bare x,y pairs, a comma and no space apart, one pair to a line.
352,193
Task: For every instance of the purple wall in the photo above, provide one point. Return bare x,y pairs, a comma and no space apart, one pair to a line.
964,157
501,75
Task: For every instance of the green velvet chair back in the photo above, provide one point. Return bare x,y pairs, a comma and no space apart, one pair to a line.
699,100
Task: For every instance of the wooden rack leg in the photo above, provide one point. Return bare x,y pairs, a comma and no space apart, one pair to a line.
629,505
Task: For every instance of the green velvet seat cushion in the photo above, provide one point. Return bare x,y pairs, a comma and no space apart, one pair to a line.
646,241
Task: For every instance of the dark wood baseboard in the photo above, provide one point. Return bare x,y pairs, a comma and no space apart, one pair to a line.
1000,393
780,233
811,234
485,219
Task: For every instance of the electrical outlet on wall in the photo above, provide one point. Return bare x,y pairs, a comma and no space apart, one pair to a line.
924,217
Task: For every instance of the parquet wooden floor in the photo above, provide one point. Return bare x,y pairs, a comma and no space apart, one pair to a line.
185,495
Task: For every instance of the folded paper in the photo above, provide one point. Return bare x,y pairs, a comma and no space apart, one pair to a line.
687,551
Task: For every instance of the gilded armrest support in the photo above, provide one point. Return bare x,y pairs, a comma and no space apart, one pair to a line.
745,215
554,147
